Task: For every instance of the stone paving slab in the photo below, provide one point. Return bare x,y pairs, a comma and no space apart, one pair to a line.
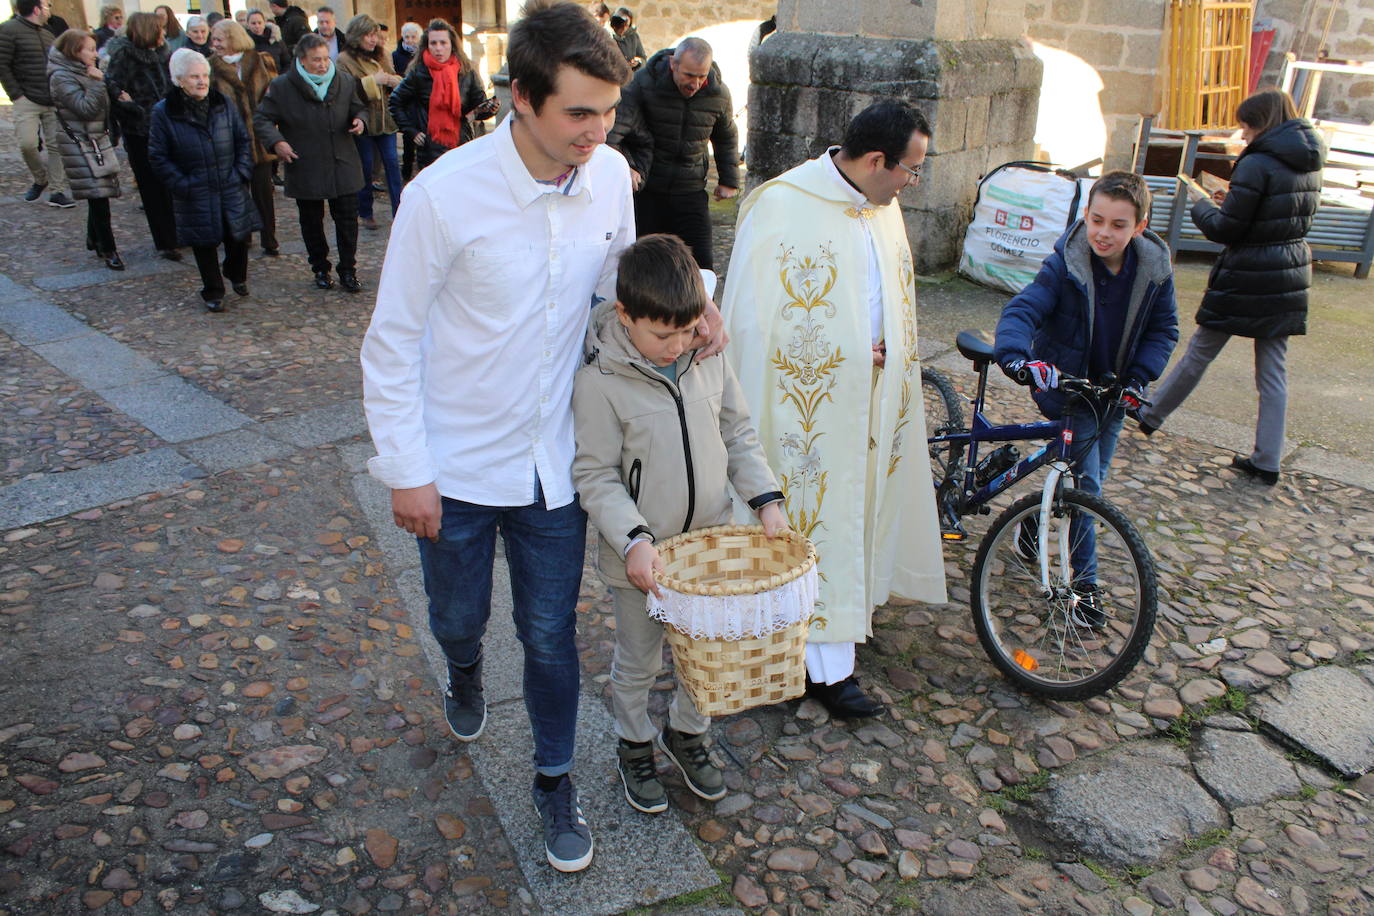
174,409
640,858
1241,768
31,501
98,361
236,448
33,321
96,276
1327,710
1325,463
321,425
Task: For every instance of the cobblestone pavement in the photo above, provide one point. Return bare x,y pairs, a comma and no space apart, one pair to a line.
216,695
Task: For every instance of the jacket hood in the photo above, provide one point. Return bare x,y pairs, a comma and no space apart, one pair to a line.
1152,255
1295,143
813,178
658,71
59,61
608,345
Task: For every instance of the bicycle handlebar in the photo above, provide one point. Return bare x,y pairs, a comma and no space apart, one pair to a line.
1112,390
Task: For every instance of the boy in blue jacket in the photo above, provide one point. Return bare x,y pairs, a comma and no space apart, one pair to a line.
1102,305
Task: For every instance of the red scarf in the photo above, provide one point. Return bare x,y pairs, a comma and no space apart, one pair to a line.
445,101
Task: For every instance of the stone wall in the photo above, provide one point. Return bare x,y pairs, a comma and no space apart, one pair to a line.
1347,98
661,21
980,97
1122,40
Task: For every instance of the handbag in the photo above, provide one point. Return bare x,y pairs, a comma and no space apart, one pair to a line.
97,150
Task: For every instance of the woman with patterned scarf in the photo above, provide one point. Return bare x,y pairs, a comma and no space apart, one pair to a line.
439,92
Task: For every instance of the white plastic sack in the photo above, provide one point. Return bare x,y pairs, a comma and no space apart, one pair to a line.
1021,211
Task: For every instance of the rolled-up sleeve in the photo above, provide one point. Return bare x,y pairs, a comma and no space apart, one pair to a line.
417,265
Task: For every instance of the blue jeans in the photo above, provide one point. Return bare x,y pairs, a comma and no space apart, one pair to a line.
545,549
1094,443
383,145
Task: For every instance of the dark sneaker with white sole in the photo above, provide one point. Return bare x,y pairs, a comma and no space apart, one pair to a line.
34,192
639,774
1087,610
465,706
567,838
60,200
688,753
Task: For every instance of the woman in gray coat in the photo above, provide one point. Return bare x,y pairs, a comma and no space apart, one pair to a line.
309,118
83,139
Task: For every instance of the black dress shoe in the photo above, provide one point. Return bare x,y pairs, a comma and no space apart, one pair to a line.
241,288
1247,467
113,261
322,280
349,281
170,254
214,305
845,699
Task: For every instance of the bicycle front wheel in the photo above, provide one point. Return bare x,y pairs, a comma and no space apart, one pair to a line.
944,414
1089,632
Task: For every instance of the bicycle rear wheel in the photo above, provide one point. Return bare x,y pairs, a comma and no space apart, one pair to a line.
1086,636
944,414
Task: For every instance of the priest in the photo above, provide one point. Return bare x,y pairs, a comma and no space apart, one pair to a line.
820,304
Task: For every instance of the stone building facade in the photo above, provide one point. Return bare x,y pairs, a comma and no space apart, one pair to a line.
964,63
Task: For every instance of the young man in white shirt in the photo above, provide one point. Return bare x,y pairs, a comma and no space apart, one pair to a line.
496,256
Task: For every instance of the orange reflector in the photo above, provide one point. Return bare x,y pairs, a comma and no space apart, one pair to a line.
1024,660
952,535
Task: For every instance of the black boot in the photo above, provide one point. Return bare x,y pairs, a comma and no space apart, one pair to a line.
845,699
348,279
322,280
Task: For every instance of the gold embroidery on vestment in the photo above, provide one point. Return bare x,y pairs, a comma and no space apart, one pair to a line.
859,212
906,276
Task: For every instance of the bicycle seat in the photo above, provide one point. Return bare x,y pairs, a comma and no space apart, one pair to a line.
976,346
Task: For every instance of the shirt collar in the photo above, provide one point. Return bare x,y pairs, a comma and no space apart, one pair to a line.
523,187
1127,264
852,194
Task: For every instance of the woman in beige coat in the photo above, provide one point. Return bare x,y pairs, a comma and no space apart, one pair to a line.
365,57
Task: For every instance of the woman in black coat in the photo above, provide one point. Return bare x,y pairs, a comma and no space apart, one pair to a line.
1258,287
200,146
410,102
309,118
138,66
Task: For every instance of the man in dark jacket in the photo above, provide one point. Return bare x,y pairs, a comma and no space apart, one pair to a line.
24,43
291,20
309,121
673,107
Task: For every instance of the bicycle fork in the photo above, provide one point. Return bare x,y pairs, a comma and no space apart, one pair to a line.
1058,469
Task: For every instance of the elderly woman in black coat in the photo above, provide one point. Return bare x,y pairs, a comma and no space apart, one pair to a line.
1258,288
200,146
309,118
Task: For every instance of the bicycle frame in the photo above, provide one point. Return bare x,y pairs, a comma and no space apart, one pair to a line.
1055,453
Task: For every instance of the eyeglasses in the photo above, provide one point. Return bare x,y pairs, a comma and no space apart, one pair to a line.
913,174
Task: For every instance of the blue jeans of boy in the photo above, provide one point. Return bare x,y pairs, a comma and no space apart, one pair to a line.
545,550
383,145
1094,443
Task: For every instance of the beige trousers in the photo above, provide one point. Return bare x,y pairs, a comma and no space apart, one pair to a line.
32,121
635,665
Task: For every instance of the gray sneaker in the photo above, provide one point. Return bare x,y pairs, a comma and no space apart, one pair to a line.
637,771
688,753
465,706
567,838
60,200
34,192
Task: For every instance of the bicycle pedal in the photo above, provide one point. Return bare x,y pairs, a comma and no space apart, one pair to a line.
950,535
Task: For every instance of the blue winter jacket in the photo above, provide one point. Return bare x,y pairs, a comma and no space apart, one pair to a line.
1052,318
206,167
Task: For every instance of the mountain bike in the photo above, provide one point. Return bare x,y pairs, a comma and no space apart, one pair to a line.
1064,589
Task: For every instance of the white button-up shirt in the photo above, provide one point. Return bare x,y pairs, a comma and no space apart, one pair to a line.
481,313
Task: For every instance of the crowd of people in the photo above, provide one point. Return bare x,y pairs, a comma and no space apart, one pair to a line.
315,111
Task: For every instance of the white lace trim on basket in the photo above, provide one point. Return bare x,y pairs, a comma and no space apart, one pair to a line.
738,616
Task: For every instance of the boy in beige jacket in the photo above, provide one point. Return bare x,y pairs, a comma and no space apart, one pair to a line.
661,438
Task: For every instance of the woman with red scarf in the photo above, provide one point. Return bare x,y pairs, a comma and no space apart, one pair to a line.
438,95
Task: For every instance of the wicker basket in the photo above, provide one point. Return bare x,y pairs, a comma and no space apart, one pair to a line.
738,564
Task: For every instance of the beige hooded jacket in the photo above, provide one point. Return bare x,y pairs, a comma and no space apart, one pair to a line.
657,457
